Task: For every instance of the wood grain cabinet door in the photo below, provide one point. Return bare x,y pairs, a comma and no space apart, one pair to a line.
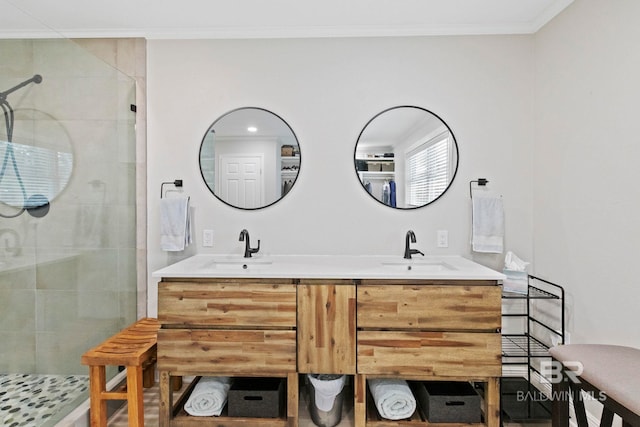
326,327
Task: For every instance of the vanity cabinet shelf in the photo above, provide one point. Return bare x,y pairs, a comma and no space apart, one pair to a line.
419,417
180,418
542,316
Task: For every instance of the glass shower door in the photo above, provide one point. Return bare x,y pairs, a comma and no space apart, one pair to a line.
68,275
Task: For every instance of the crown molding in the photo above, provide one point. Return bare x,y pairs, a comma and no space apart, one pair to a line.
549,13
39,30
273,32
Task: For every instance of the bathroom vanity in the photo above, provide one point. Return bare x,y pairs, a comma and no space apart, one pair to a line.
367,317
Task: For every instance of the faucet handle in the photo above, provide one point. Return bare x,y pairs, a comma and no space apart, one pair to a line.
254,250
416,251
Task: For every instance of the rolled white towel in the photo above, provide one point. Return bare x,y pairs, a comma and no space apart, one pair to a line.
393,398
208,397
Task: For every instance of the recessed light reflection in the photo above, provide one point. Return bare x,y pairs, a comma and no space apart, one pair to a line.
252,129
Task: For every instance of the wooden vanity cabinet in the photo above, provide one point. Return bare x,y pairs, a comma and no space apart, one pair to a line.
327,327
409,329
227,327
428,330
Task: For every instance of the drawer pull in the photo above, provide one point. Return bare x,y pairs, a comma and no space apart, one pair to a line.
454,403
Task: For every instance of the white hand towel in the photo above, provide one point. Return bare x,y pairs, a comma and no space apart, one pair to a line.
208,397
487,234
175,223
393,398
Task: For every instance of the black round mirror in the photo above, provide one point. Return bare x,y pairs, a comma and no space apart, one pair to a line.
249,158
406,157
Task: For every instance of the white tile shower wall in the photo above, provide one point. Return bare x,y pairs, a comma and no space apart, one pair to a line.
327,90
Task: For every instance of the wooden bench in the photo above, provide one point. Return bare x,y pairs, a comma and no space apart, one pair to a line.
607,373
134,348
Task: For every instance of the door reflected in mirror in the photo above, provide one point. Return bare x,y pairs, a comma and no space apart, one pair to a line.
249,158
406,157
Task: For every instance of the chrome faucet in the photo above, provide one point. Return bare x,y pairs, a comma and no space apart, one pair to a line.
248,250
410,238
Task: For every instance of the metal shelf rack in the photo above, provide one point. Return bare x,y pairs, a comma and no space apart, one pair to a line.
544,326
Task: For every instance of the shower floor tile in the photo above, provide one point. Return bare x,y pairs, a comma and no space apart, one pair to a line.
32,400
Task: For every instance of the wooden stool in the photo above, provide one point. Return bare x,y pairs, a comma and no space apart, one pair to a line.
135,348
609,373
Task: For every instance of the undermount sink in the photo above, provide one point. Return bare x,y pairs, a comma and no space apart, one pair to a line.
419,266
239,263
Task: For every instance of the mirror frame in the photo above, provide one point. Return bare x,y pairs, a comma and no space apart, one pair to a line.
213,125
455,144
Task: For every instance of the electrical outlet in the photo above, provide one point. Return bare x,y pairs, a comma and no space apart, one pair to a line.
207,238
443,239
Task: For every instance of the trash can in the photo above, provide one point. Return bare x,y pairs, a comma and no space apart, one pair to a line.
325,399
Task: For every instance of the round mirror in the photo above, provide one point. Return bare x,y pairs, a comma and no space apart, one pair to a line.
36,162
406,157
249,158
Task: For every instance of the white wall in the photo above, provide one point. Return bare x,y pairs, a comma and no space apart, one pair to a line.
587,179
327,90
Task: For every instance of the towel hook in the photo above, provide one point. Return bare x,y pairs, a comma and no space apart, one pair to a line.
177,183
480,181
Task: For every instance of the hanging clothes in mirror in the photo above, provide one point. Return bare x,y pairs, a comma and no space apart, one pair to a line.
392,194
286,186
386,193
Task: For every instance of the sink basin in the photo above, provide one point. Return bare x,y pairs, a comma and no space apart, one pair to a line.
419,266
239,263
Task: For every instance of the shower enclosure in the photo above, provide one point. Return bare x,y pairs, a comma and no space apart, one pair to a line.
68,276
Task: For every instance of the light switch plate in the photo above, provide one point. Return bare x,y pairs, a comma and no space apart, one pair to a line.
207,238
443,239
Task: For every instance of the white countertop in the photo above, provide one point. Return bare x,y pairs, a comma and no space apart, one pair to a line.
450,267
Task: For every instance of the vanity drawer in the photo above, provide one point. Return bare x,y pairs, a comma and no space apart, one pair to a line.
429,307
227,352
228,303
456,354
